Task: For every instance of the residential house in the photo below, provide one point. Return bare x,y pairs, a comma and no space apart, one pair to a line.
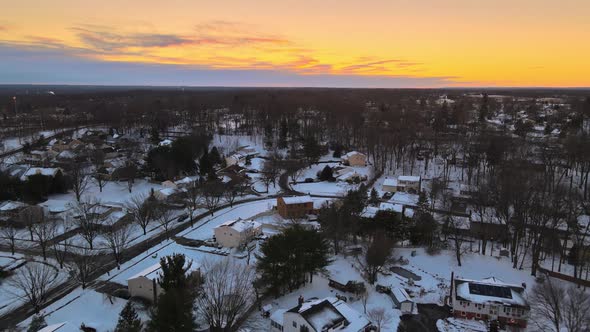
403,183
235,233
489,299
403,301
390,185
295,206
355,158
145,284
46,171
327,314
11,209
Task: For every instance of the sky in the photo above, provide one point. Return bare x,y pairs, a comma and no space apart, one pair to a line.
344,43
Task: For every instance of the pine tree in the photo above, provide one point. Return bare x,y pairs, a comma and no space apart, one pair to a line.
205,166
374,198
128,320
214,156
174,310
327,174
37,323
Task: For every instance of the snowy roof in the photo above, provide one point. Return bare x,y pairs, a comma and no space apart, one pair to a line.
165,142
56,206
401,295
409,178
53,328
186,180
369,212
352,153
391,207
277,316
392,182
241,225
490,290
331,311
297,199
168,191
404,198
67,154
11,205
153,271
40,170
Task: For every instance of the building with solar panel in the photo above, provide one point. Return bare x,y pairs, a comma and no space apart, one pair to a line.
491,300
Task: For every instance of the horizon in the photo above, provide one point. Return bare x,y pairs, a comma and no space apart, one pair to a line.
375,44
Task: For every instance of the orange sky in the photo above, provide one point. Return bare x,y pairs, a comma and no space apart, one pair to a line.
459,42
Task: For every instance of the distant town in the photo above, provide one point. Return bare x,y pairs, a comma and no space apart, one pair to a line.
294,210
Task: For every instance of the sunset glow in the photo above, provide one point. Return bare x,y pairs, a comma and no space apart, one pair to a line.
375,42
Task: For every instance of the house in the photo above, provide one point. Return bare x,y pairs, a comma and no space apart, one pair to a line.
405,199
410,183
354,158
327,314
52,172
145,284
11,209
403,183
169,184
295,206
390,185
403,301
166,194
489,299
235,233
234,159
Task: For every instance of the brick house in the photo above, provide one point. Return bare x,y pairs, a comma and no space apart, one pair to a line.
295,207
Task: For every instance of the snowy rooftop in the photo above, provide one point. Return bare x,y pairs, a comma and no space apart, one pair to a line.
40,170
352,153
153,271
490,290
297,199
409,178
241,225
330,311
56,206
11,205
391,182
404,198
400,294
277,316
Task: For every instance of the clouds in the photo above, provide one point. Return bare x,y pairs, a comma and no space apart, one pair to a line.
44,65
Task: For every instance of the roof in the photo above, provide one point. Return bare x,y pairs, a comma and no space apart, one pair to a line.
11,205
153,271
490,290
391,182
53,328
409,178
40,170
278,315
401,295
241,225
353,153
56,206
297,199
404,198
330,311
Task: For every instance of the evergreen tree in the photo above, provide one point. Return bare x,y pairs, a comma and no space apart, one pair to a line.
174,309
287,259
37,323
327,174
374,197
337,151
205,166
214,156
128,320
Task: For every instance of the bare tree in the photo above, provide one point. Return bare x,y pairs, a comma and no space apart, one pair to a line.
193,198
45,230
576,316
88,220
230,193
377,253
29,216
98,157
32,283
79,180
82,266
164,217
212,192
117,240
380,318
141,210
548,298
61,250
225,294
9,236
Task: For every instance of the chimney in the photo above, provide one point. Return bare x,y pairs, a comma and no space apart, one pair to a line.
300,300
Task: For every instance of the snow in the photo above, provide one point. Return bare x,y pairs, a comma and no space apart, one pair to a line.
83,307
12,205
390,182
241,225
297,199
409,178
404,198
113,191
464,291
461,325
40,170
52,328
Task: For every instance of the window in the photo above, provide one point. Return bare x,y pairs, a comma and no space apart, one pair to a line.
477,316
463,313
294,324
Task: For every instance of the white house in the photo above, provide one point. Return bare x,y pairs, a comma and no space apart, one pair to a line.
235,233
403,301
354,158
327,314
390,185
52,172
489,299
145,284
405,183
